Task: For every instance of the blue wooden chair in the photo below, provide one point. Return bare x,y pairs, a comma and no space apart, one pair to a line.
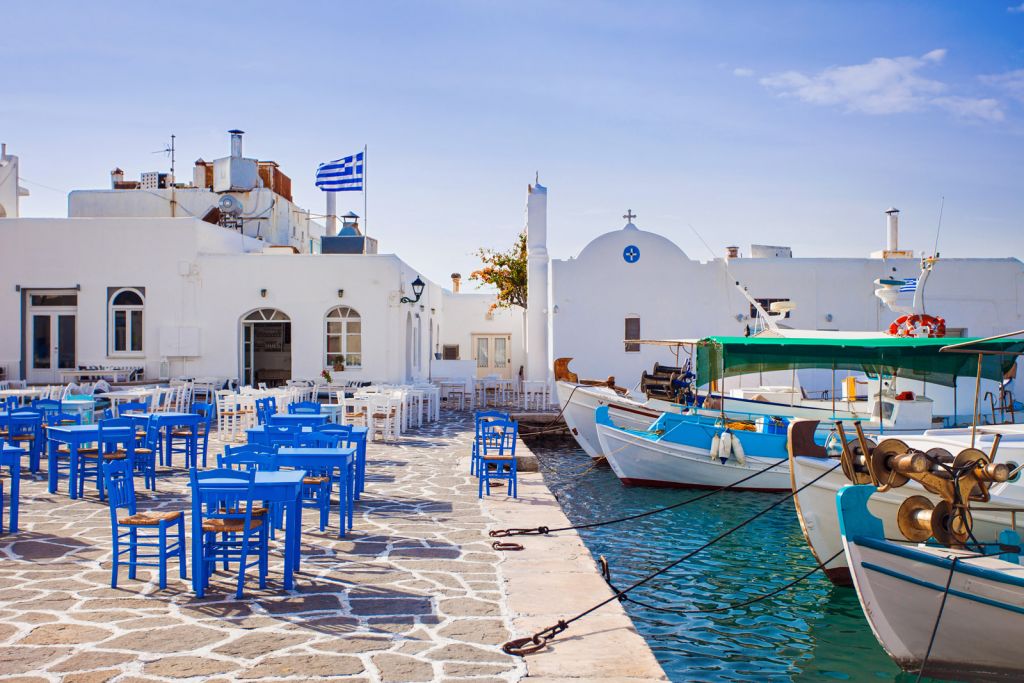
140,531
146,452
25,428
230,532
265,407
246,457
134,407
316,491
304,408
116,442
49,408
315,439
498,456
482,417
10,404
179,437
275,436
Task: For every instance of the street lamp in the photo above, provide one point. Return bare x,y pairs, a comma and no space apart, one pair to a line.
417,289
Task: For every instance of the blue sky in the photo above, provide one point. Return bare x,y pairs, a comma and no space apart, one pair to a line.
791,123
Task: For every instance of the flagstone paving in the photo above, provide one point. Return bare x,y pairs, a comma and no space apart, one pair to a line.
414,593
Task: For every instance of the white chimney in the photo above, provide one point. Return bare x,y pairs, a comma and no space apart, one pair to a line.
456,282
894,229
236,143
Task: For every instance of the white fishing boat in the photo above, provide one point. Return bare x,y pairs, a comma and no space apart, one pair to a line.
694,451
816,479
954,613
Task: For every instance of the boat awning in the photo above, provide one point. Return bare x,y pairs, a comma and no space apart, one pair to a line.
912,358
664,342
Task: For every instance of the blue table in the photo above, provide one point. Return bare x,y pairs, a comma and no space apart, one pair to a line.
10,456
359,438
167,422
74,436
320,459
300,419
271,487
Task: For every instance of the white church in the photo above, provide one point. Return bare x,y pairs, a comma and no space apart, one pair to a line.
225,276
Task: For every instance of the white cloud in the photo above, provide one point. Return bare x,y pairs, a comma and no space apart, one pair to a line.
1016,9
743,72
885,85
1011,82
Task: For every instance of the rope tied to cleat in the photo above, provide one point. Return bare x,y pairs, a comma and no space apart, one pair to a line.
531,644
502,533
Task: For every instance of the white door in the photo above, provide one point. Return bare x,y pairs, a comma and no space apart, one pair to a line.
491,353
51,336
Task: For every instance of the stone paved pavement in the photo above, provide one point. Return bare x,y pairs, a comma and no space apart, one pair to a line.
414,593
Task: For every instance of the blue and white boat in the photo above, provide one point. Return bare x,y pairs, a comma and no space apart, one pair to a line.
974,635
697,451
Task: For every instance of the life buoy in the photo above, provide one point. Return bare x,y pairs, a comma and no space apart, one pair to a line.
737,451
915,325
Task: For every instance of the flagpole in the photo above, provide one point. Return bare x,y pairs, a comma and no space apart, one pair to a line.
366,223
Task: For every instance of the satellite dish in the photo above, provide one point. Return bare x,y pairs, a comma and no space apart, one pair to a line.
229,205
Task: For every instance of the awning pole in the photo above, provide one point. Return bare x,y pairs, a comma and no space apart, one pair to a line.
881,408
977,391
833,388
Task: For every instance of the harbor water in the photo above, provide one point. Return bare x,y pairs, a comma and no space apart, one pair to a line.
813,631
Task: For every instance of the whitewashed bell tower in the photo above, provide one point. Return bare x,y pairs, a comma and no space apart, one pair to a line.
538,264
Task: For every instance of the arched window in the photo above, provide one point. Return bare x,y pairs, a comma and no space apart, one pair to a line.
124,334
344,338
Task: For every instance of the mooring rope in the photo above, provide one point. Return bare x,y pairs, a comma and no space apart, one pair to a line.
543,530
536,642
675,610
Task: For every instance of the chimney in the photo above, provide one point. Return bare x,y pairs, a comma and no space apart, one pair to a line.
236,143
456,282
732,252
3,150
894,229
116,176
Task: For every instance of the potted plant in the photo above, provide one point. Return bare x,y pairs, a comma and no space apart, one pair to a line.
339,365
327,376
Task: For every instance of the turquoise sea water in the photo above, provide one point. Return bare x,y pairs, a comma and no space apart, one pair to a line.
812,632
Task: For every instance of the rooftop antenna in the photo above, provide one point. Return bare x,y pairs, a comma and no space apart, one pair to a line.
168,150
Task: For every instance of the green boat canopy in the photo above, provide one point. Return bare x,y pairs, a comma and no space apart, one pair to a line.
910,357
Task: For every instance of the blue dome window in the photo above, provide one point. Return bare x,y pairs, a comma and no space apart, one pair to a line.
631,254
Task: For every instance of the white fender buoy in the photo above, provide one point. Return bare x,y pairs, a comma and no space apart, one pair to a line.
714,447
737,452
725,446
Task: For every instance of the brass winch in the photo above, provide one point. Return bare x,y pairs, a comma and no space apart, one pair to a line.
957,480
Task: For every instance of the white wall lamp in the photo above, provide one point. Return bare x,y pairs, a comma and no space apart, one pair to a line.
263,293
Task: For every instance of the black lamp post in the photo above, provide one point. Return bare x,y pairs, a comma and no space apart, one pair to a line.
417,289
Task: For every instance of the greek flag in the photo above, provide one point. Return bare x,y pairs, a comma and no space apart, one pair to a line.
909,285
341,175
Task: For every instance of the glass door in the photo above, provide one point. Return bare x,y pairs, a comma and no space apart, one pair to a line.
247,354
52,345
492,355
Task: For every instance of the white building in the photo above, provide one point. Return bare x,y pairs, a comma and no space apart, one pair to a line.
221,277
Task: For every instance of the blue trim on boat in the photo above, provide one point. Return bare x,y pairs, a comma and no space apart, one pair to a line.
939,589
962,566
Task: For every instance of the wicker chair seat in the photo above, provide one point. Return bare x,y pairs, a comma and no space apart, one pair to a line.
150,518
82,450
227,526
117,455
313,481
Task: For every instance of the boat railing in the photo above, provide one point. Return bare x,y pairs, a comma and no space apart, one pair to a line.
1012,511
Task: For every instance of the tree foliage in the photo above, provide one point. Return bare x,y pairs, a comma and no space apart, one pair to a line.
506,270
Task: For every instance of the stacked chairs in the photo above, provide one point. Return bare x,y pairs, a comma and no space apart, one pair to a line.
228,530
497,456
136,534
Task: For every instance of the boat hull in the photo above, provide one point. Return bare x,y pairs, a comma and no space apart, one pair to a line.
900,589
578,403
640,461
816,510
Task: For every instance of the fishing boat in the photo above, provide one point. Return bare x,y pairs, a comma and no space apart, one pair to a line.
711,448
696,451
817,474
943,610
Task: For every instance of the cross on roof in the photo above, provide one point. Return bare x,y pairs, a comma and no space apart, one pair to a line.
629,215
